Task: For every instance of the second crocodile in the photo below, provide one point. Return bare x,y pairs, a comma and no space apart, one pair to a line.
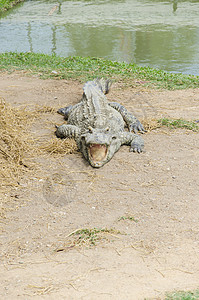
98,126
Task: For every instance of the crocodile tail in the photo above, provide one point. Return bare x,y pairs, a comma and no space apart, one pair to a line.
104,84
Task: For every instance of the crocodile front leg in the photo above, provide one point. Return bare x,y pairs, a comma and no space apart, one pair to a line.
132,122
65,111
135,141
67,131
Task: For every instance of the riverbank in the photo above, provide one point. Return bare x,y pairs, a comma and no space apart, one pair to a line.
86,68
8,4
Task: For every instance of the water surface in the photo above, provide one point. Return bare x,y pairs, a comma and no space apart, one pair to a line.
163,34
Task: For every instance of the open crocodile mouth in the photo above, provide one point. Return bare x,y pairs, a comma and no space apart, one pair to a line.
97,154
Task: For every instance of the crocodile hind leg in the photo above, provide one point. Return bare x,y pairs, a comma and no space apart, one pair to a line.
132,122
67,131
135,141
65,111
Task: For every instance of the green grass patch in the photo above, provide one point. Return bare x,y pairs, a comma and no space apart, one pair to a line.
91,236
7,4
87,237
130,218
190,295
87,68
179,123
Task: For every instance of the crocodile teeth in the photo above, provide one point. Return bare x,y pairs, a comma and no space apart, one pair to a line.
98,152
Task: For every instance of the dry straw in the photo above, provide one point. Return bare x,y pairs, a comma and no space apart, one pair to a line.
150,124
18,146
58,146
14,142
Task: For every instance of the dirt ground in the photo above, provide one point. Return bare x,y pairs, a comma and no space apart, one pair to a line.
148,203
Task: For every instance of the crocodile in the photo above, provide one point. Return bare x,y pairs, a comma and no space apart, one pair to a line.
99,126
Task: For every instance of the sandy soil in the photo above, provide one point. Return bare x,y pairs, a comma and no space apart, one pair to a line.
148,203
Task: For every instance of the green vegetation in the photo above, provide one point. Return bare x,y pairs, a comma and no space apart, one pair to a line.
130,218
7,4
179,123
85,68
183,295
90,236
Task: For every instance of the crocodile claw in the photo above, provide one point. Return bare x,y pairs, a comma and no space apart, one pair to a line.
137,126
136,147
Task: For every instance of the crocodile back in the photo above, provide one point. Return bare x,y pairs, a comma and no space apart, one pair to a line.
94,110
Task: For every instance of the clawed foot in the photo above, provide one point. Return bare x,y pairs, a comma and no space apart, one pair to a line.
136,148
137,126
137,145
65,111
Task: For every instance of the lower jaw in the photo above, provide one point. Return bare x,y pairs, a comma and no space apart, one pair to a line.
97,164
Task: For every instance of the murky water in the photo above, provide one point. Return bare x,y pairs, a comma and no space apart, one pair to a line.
157,33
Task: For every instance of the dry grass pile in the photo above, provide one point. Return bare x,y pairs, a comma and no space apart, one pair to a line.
54,145
14,143
45,109
59,146
19,146
150,124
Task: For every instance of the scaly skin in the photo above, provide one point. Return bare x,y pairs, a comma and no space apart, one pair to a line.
98,126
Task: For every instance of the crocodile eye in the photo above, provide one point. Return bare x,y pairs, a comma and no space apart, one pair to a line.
107,129
90,129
